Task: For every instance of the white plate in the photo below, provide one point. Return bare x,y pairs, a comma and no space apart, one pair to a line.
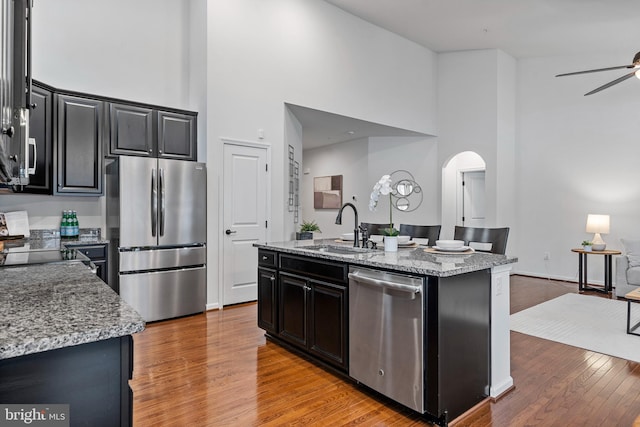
405,245
346,236
422,241
462,249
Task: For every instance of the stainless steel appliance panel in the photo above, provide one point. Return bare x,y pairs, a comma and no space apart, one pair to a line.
15,91
153,259
138,198
182,202
386,330
165,294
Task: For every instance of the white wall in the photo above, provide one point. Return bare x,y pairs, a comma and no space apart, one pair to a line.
348,159
45,212
575,155
451,213
293,138
476,100
149,51
362,162
309,53
553,155
135,50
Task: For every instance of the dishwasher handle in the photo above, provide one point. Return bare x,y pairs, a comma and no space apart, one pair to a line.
385,283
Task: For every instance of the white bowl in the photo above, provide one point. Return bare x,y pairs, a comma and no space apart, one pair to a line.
346,236
449,244
403,240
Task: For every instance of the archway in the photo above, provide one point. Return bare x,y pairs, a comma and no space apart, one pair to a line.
453,194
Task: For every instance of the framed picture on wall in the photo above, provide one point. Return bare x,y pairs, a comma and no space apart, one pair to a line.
327,192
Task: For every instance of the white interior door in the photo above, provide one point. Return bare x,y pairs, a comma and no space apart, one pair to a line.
473,199
245,186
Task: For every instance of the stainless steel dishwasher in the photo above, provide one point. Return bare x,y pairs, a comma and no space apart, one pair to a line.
386,330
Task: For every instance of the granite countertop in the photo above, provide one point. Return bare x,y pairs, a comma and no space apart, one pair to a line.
49,306
410,260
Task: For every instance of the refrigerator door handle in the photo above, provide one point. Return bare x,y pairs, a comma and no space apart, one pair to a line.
162,201
154,203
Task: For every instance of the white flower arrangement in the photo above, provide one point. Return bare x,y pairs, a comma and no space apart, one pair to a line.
383,187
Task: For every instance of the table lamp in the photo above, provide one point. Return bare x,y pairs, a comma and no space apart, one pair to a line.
598,224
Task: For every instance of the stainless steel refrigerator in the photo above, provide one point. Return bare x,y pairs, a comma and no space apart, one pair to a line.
156,225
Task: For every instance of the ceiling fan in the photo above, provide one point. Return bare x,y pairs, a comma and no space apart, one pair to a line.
635,66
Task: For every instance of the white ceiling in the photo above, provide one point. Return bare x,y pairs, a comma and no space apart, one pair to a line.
321,128
521,28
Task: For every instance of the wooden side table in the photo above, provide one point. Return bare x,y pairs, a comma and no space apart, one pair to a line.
582,269
633,296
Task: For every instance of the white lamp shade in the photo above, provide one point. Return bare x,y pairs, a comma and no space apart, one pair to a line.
597,224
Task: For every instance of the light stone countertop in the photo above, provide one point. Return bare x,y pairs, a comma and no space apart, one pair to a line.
49,306
409,260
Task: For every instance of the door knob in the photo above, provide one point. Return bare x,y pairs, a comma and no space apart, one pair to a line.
229,232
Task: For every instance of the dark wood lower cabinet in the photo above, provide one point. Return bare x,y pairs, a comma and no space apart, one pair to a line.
293,312
328,322
93,379
267,299
304,302
312,315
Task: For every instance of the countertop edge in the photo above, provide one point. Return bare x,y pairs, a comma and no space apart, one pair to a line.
53,306
487,261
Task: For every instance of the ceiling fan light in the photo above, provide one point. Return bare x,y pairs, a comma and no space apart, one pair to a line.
638,73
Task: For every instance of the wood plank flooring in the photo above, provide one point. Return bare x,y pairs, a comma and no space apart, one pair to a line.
217,369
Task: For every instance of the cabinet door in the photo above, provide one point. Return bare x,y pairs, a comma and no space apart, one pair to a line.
267,300
102,271
131,130
40,129
78,145
327,322
176,135
292,321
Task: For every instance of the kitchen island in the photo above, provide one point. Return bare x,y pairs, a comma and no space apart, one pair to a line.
308,301
65,338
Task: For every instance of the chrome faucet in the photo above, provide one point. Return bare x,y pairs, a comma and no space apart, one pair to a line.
356,241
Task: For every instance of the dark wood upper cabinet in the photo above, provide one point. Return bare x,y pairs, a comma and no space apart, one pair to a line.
131,130
74,131
147,131
79,132
176,135
40,129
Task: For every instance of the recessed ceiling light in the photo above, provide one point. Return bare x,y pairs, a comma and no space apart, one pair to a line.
351,132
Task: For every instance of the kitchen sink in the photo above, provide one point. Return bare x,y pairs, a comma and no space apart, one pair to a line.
334,249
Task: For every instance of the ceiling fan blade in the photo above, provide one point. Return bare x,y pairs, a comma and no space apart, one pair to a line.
614,82
596,70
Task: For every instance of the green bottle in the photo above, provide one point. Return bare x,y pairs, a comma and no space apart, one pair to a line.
63,225
76,225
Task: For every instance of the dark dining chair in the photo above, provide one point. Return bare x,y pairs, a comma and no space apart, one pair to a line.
373,228
496,236
431,232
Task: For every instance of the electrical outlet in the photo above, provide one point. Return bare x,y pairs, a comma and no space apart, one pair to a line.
547,256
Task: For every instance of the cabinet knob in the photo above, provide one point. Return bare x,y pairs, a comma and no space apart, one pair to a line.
9,131
307,288
272,278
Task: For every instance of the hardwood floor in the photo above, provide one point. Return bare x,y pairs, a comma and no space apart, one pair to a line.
217,369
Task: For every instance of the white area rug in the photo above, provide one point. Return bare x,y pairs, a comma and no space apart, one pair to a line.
592,323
